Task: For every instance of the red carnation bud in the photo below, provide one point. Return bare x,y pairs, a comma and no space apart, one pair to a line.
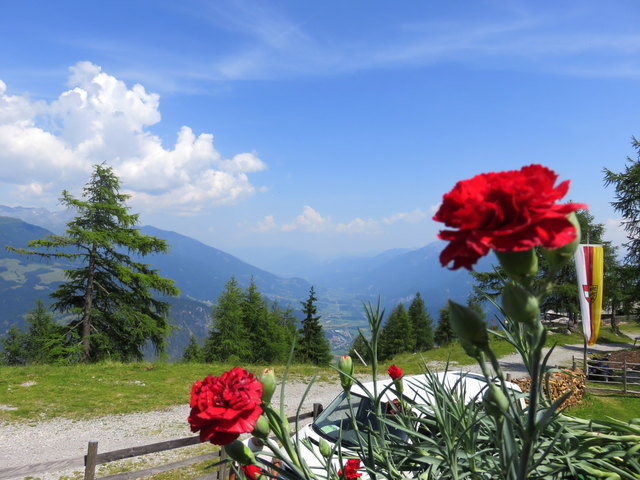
394,372
252,472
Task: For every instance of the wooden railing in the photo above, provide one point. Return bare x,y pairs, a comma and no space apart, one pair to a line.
92,459
609,372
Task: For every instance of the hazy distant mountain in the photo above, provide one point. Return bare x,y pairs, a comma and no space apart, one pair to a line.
54,221
23,279
347,272
200,271
281,261
397,275
289,262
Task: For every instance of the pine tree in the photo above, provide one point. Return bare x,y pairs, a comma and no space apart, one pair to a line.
47,342
285,329
627,204
313,346
13,347
422,324
109,293
228,337
193,352
444,333
265,335
397,334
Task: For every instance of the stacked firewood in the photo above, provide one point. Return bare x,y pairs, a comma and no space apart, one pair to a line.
559,383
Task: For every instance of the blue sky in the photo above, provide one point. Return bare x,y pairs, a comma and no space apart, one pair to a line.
333,127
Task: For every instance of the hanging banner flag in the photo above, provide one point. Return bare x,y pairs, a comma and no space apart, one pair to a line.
590,271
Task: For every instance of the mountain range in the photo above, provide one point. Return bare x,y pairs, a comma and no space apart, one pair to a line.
200,271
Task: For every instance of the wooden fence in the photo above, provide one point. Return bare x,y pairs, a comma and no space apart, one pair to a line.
92,459
623,374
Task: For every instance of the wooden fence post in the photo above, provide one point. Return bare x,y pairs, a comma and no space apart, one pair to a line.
317,410
624,376
573,362
508,377
223,469
90,461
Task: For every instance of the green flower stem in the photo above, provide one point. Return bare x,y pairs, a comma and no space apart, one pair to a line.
501,377
281,432
302,472
530,433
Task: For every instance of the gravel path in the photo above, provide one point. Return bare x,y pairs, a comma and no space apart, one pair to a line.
25,444
58,439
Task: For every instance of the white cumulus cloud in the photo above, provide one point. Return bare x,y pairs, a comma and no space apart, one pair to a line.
47,147
411,217
358,225
267,224
310,221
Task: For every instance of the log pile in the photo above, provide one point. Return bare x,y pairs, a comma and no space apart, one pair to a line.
559,383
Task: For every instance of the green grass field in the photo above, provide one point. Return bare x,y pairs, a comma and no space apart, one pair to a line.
37,392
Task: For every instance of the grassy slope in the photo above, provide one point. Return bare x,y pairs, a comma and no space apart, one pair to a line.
81,391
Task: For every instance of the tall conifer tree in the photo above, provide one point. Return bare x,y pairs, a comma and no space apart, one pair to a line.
422,324
48,342
397,335
444,333
193,352
228,336
13,350
313,346
109,292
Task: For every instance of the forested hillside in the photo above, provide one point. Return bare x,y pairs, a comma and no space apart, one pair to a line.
200,272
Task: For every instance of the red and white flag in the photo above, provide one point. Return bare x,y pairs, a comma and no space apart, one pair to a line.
590,272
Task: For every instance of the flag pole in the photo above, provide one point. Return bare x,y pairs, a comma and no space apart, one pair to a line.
584,358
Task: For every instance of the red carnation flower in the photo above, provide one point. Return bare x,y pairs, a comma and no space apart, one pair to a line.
351,469
506,211
251,471
394,372
224,407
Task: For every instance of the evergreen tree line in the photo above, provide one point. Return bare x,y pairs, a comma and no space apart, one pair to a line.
43,341
246,329
410,331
